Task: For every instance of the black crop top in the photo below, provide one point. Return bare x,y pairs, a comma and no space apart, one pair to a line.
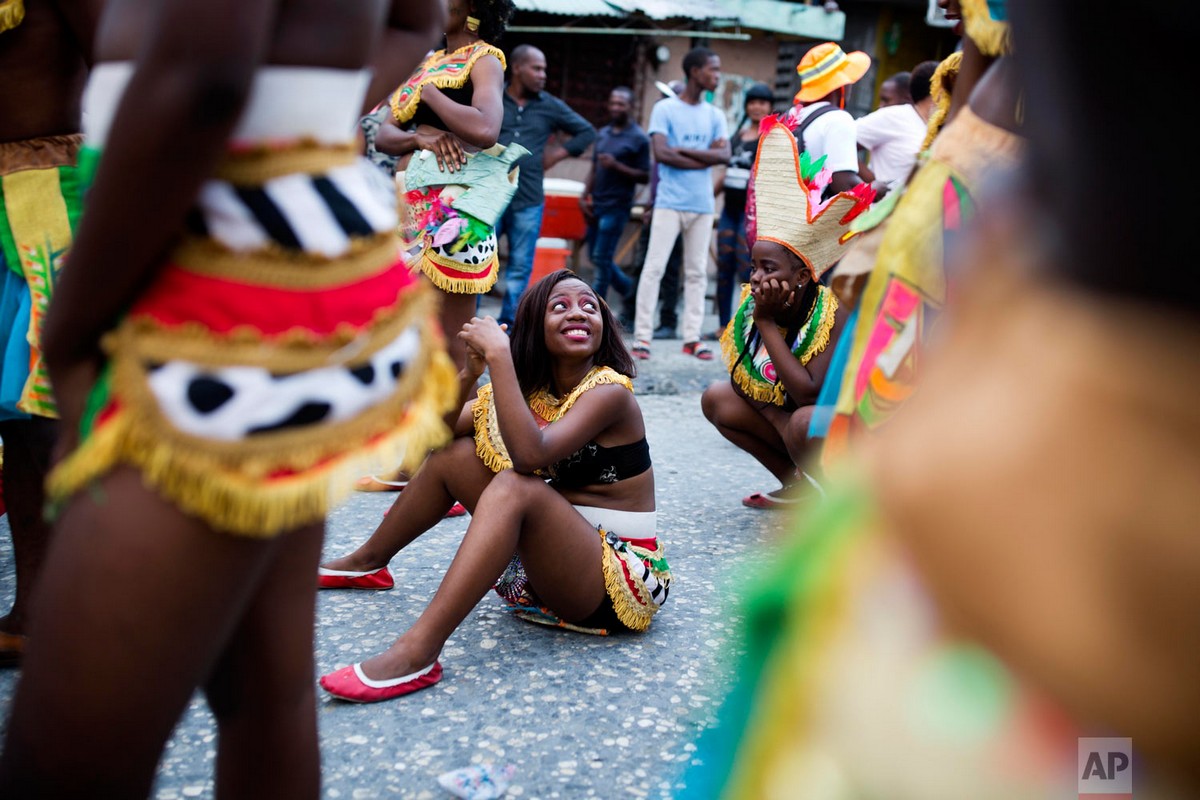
593,464
424,115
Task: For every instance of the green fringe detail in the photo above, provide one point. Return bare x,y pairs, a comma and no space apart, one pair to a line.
808,167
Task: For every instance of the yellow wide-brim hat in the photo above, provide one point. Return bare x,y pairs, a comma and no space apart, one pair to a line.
827,67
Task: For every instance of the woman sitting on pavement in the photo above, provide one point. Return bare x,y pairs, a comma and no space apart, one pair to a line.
778,347
567,532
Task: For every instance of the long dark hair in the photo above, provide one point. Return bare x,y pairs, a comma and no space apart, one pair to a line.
528,343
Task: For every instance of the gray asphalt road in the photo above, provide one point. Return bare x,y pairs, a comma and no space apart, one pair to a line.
579,716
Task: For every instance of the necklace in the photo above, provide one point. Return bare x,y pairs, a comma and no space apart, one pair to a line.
755,373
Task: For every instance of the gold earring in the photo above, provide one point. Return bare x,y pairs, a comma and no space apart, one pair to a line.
472,24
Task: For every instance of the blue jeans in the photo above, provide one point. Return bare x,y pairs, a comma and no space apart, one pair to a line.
733,261
604,232
522,226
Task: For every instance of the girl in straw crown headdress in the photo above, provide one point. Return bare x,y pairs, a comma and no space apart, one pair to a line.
777,346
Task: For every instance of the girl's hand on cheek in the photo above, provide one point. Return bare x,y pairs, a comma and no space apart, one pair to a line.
771,299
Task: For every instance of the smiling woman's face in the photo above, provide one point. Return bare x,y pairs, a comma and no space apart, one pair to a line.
573,324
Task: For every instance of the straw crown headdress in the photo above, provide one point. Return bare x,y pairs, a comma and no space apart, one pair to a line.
788,206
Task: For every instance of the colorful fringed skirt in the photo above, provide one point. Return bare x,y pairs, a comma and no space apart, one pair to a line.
285,347
449,229
40,203
637,577
636,574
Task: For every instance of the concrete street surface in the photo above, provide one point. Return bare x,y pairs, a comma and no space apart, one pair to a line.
579,716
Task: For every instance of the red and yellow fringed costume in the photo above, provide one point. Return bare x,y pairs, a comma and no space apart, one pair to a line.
285,347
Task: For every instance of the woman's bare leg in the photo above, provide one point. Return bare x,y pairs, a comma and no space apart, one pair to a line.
27,447
748,429
261,691
457,310
793,428
135,604
561,552
454,473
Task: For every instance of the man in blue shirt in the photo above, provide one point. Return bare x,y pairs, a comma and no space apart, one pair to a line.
688,136
531,116
621,161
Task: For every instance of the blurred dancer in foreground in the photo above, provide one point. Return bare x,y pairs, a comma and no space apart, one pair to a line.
237,338
1008,570
45,50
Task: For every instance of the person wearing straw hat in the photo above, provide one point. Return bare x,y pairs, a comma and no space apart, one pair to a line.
825,128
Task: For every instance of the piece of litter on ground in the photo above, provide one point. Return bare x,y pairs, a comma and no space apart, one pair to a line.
478,781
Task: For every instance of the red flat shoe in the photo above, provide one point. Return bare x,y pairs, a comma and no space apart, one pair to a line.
765,501
345,579
349,683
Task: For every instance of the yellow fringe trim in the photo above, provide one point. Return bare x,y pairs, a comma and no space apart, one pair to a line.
759,392
257,166
144,339
228,485
11,14
260,455
448,81
546,406
992,37
775,393
489,445
823,334
634,606
278,267
939,84
430,263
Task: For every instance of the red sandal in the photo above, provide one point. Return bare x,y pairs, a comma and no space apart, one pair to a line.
698,349
766,501
640,349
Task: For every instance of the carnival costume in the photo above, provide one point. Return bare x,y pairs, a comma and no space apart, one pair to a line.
847,682
450,228
636,574
12,12
284,347
907,286
785,180
40,203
